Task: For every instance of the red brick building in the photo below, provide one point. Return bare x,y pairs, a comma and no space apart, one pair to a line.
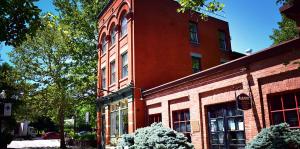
210,106
141,47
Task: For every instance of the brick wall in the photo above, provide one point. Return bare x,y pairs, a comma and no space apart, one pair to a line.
260,78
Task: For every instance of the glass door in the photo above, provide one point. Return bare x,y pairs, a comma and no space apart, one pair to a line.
226,127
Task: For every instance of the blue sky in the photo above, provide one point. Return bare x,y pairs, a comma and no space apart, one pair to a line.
250,23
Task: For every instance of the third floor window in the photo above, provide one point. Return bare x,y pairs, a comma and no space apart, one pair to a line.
104,44
222,40
193,32
113,34
123,25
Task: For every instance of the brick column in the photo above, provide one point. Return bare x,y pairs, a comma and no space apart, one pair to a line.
195,119
130,115
165,117
130,46
107,127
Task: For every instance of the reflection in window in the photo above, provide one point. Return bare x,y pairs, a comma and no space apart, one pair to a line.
196,64
285,108
193,32
154,118
124,65
113,34
123,25
222,40
112,72
103,44
181,122
103,78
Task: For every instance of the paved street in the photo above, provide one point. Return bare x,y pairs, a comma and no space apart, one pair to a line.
34,143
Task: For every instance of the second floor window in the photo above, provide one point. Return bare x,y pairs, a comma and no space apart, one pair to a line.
124,65
103,44
113,34
103,78
196,64
123,25
193,32
222,40
112,72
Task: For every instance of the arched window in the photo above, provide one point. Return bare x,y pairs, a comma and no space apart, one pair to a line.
123,25
103,44
113,34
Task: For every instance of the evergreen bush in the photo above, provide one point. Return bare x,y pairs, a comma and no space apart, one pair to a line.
276,137
155,136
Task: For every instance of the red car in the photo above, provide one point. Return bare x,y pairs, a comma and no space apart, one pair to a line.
51,135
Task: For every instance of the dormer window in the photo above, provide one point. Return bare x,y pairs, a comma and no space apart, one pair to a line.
123,25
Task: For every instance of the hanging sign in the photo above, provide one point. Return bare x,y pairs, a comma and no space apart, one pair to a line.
7,109
243,101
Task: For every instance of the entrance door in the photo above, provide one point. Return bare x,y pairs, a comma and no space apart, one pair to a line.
103,131
226,127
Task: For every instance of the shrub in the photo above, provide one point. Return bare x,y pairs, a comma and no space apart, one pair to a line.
156,136
276,137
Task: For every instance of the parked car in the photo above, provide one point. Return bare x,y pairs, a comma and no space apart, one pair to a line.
81,133
51,135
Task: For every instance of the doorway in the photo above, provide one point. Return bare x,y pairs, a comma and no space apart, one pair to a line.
226,127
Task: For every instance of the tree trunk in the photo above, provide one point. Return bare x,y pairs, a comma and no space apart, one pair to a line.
62,127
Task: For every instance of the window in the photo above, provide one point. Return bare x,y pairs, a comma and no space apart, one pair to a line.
113,34
196,64
181,122
103,77
112,72
222,40
154,118
119,118
285,108
103,44
193,32
124,65
123,25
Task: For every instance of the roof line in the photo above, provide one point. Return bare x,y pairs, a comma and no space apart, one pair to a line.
105,8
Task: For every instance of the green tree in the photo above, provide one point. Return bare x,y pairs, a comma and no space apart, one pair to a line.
287,30
44,60
18,18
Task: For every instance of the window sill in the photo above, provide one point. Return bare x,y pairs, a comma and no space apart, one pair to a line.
103,55
112,46
225,50
195,44
124,79
124,36
112,85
